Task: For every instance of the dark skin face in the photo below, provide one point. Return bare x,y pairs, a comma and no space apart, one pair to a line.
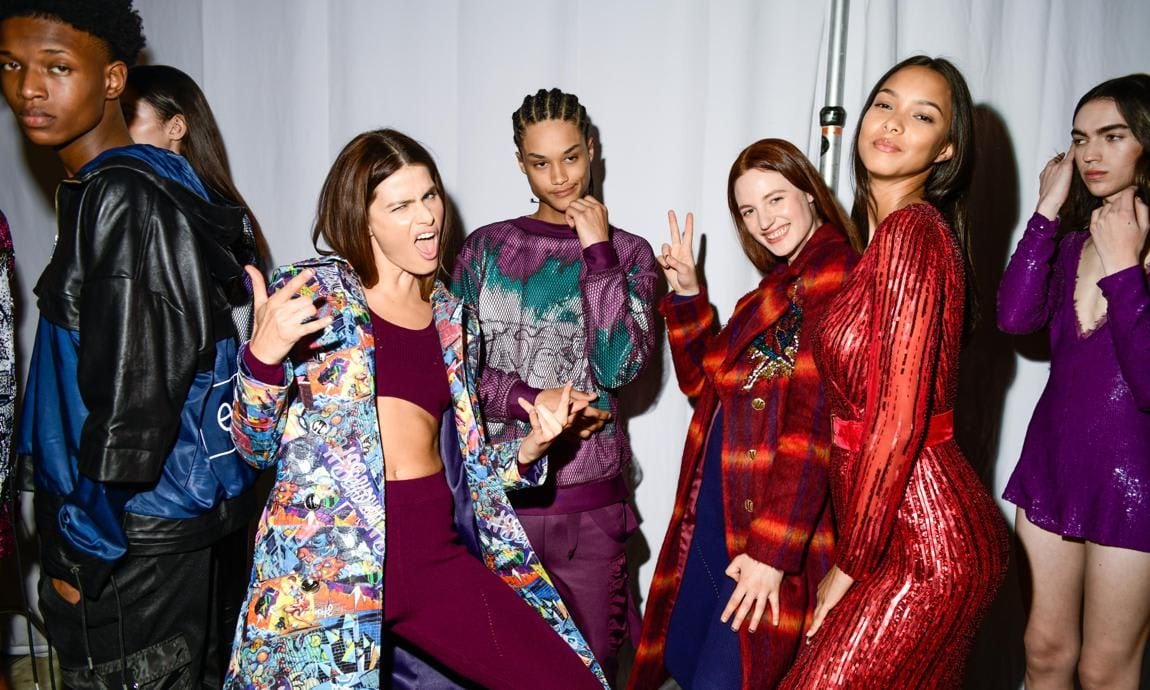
63,88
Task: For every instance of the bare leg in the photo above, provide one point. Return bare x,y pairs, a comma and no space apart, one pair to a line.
1117,617
1053,637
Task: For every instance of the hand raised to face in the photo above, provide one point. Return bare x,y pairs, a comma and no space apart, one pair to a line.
589,219
1119,228
1054,185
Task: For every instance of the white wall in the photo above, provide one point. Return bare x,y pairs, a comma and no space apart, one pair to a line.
676,89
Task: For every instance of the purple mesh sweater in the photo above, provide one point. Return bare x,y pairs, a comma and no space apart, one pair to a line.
1085,466
552,312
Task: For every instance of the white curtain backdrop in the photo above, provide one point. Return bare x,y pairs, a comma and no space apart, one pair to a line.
675,88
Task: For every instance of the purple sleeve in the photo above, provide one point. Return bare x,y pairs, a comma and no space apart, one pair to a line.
271,374
518,390
600,256
1026,295
1128,312
617,309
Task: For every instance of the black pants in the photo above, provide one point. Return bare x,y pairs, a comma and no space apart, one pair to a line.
176,614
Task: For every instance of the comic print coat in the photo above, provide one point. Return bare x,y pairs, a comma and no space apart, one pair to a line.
313,613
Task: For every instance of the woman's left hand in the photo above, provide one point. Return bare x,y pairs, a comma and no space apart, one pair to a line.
1118,228
831,591
546,424
758,587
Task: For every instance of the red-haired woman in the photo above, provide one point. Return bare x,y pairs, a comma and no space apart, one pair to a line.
751,534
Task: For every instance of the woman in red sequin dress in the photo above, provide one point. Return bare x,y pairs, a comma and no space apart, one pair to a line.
922,547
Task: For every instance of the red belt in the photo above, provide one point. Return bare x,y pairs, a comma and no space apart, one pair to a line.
848,435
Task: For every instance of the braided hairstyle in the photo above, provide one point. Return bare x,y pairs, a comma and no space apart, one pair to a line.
549,105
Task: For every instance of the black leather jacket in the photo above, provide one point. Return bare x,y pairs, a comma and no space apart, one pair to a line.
160,269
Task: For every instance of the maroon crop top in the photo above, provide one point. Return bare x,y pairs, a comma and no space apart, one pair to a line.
409,365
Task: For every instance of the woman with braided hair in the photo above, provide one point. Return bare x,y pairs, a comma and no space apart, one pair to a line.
562,295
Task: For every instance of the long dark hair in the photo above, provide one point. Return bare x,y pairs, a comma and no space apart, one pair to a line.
170,92
784,158
948,182
1131,95
342,215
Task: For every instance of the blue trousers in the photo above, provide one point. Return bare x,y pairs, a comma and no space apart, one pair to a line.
701,651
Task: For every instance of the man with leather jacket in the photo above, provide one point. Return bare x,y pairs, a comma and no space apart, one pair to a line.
128,402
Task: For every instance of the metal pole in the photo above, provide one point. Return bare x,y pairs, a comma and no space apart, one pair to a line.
832,117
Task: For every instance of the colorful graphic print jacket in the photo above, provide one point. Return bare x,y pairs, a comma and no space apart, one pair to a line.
313,614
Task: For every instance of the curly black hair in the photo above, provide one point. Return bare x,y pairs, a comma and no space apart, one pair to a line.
114,22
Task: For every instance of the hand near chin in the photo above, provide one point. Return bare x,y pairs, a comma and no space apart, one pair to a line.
1118,229
589,219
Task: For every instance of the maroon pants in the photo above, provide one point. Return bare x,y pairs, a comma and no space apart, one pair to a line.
584,553
443,600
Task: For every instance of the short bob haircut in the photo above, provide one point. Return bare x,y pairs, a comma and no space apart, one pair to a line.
342,216
784,158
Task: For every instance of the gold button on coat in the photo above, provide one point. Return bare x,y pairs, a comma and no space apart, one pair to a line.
749,505
758,404
752,453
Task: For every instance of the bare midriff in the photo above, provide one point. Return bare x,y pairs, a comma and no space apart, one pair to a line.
410,438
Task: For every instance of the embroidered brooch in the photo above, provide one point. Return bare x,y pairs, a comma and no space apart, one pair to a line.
774,351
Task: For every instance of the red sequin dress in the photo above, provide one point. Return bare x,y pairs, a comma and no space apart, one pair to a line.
919,533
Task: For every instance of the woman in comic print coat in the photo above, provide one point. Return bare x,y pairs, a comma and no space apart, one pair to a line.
751,534
355,385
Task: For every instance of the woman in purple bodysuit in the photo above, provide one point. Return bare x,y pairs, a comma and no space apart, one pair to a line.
1082,485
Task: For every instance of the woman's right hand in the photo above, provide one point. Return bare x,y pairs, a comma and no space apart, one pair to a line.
279,319
1054,185
677,259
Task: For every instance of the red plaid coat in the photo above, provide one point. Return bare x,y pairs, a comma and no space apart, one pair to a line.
775,435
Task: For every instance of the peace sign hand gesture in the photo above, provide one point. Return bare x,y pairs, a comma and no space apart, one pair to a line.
677,258
280,319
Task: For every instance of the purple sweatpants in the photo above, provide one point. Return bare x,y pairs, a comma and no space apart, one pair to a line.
443,600
584,553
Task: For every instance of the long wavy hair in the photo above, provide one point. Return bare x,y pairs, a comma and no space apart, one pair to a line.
171,92
949,181
784,158
1131,95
